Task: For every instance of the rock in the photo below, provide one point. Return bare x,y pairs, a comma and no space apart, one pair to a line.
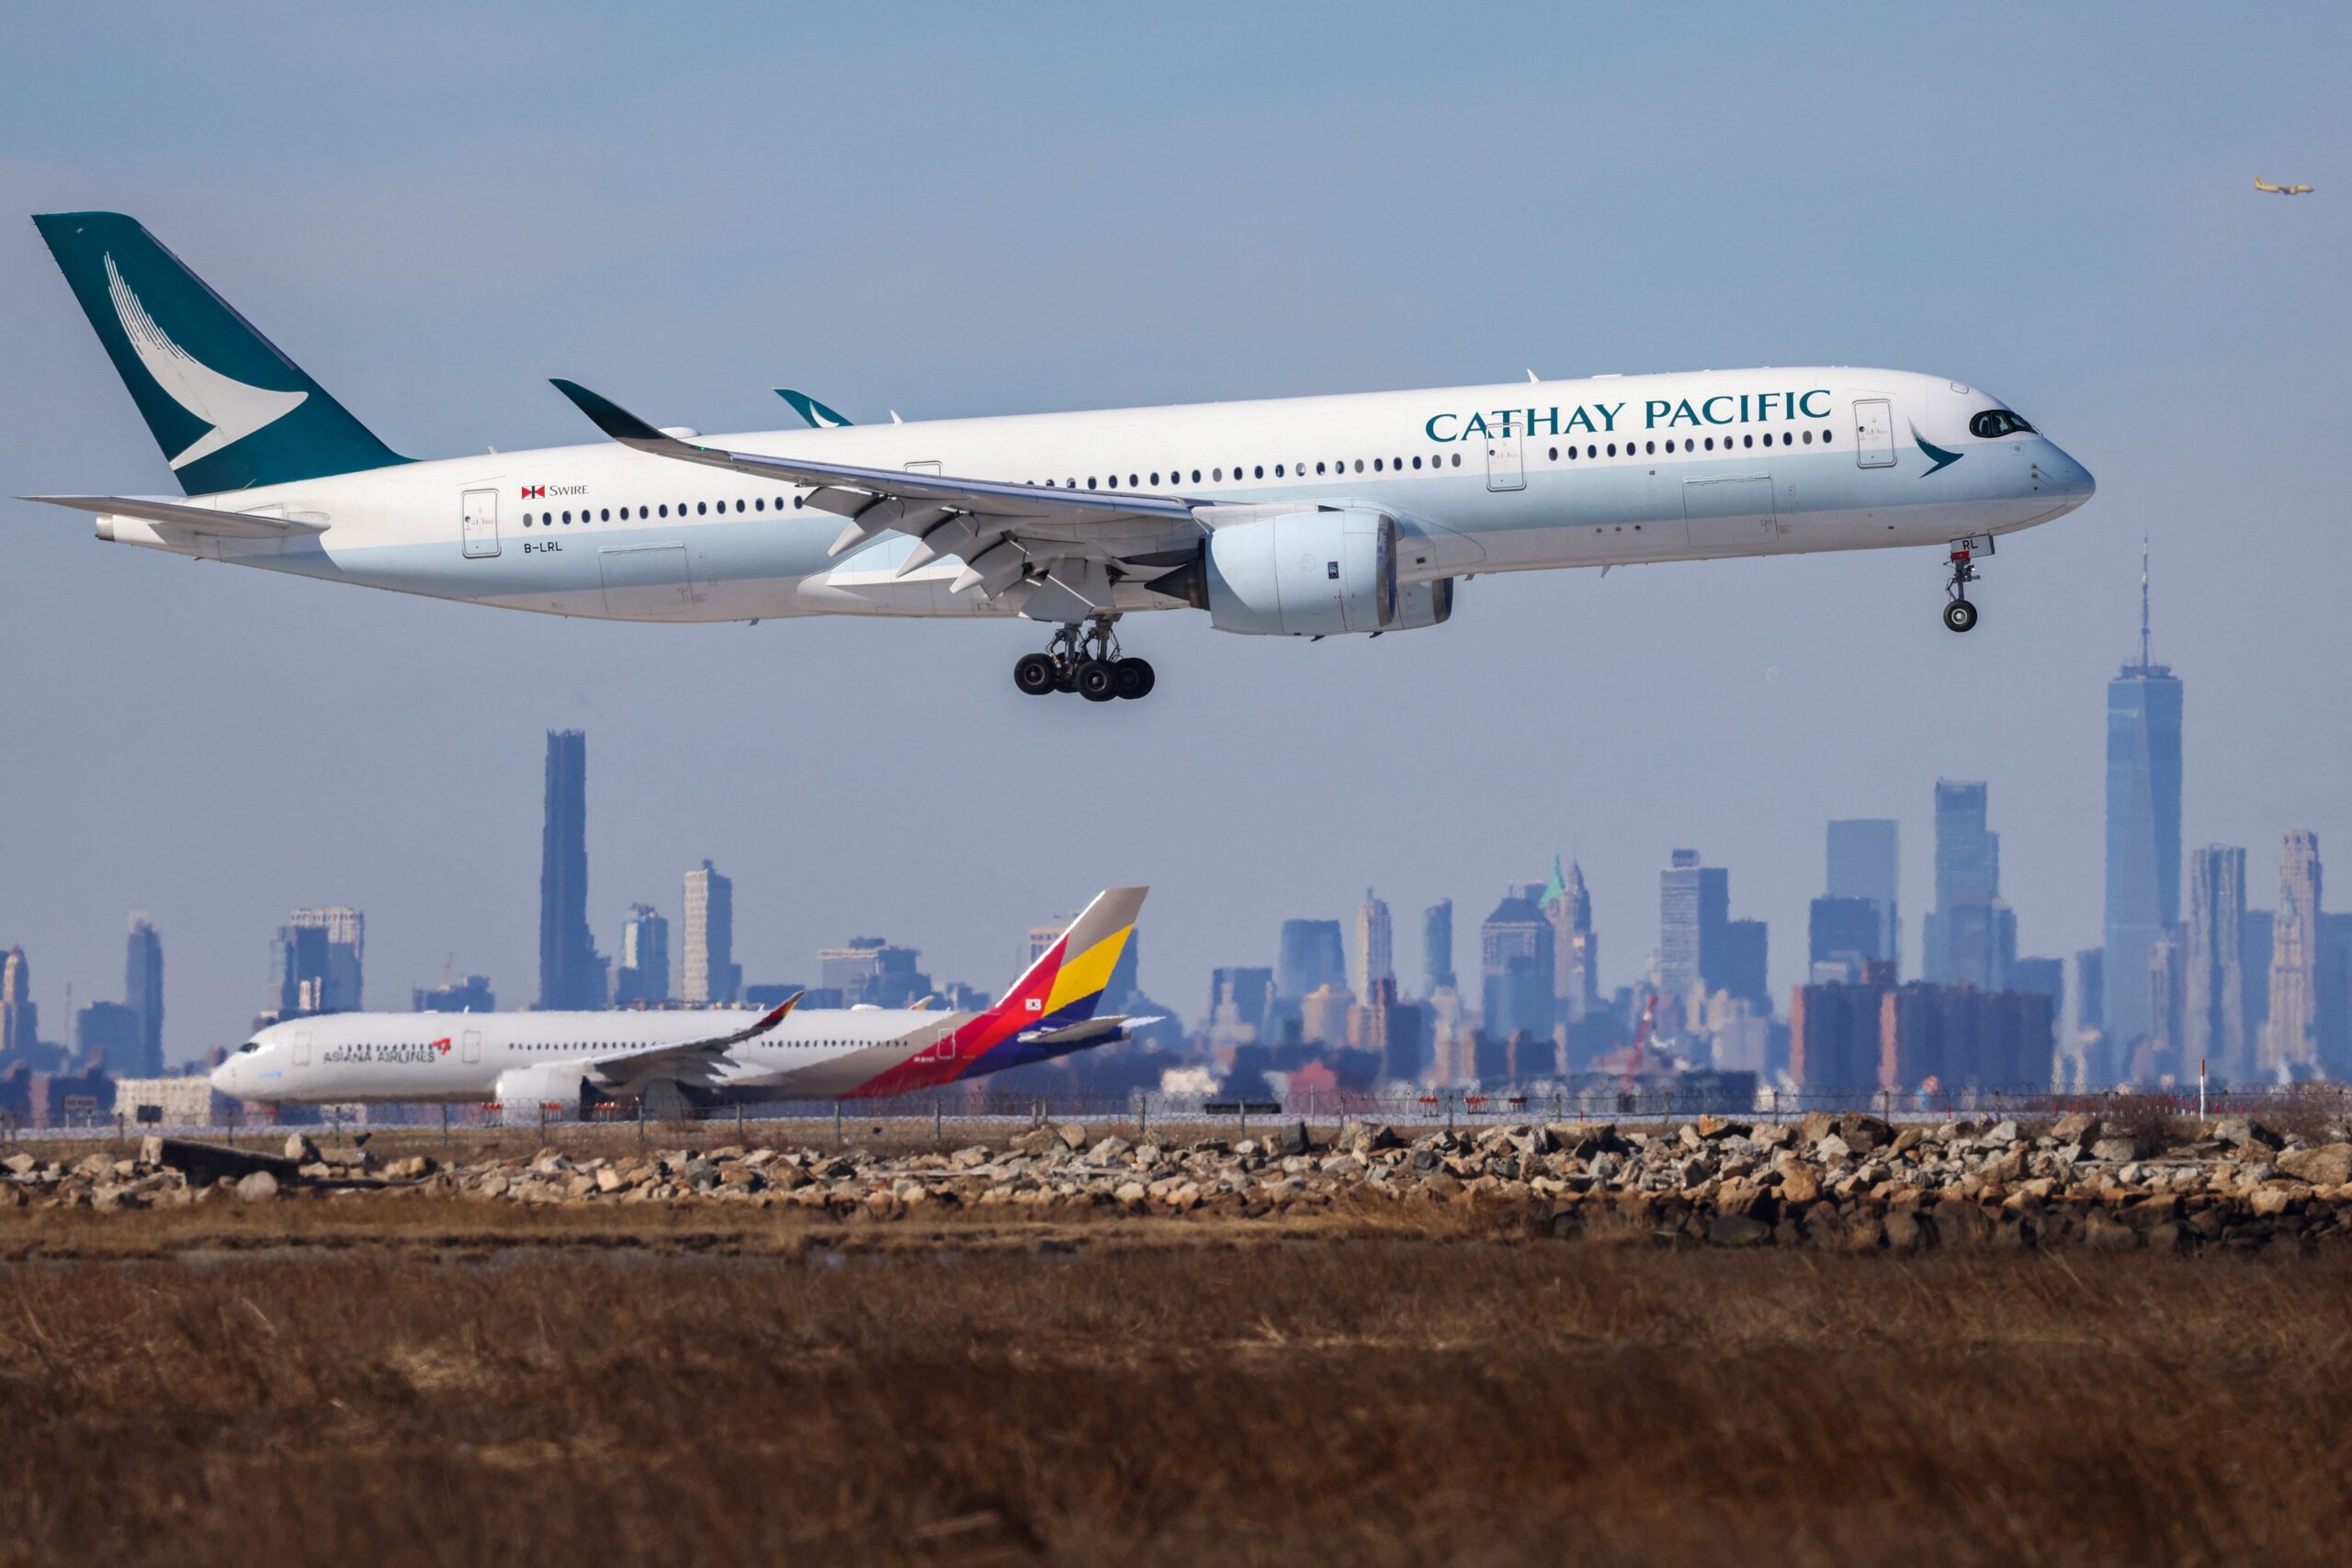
1863,1134
300,1150
2120,1151
1072,1135
1832,1148
2268,1202
1293,1138
2001,1134
204,1164
414,1167
2080,1127
257,1185
1036,1140
1108,1149
2240,1132
1713,1127
22,1164
1799,1182
2327,1165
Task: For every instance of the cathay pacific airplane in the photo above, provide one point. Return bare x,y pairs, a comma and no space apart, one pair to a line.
524,1062
1298,517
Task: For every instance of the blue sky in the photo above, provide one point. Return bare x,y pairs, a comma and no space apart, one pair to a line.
957,210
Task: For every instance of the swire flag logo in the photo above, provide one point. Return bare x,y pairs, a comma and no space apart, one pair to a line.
442,1046
535,492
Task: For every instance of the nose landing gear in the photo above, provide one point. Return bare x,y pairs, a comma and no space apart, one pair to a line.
1084,658
1959,613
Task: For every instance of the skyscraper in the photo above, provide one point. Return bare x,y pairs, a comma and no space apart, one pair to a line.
1437,945
2213,990
340,976
142,993
19,1018
1312,956
298,970
2143,708
1842,939
1693,906
1863,864
1371,957
1576,950
1971,935
572,972
644,973
710,973
2290,1043
1516,964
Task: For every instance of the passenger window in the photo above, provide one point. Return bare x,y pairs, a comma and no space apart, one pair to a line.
1257,471
1318,468
1747,441
1612,448
1216,473
1359,465
702,509
1457,459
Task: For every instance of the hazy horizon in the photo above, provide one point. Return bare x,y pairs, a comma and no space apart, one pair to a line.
947,212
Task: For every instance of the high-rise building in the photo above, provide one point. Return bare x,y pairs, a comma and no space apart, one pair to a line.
107,1034
644,973
1864,857
1238,998
1701,949
2254,956
2334,990
572,972
1843,936
2214,1010
142,993
710,973
1971,935
2161,1054
1437,946
1311,957
2290,1042
1952,1035
298,971
1834,1033
470,994
2144,709
1515,962
869,971
1372,957
341,979
1576,950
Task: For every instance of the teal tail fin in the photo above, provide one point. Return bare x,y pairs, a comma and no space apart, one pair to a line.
228,409
819,416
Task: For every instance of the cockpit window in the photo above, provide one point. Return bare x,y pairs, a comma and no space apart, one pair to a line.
249,1047
1994,424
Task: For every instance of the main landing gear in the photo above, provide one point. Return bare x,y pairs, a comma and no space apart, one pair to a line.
1960,615
1085,659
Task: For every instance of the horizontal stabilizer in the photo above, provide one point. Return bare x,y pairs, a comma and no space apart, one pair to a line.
180,514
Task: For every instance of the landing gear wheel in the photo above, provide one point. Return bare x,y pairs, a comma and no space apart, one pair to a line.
1960,615
1135,678
1035,674
1098,679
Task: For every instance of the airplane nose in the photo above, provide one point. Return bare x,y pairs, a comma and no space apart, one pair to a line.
2069,478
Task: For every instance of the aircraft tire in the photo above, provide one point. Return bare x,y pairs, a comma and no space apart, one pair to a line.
1135,679
1098,681
1034,673
1960,615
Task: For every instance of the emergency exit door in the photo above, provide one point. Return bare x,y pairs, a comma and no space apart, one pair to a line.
471,1050
1874,432
480,526
1505,470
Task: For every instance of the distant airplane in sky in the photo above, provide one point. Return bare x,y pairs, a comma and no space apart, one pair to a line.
524,1061
1299,517
2281,190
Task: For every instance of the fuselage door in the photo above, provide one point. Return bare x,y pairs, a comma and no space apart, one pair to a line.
470,1046
481,525
301,1047
1874,432
1505,470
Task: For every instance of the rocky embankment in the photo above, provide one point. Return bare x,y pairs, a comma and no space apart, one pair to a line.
1849,1181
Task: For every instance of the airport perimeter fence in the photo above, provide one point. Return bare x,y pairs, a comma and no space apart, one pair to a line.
979,1116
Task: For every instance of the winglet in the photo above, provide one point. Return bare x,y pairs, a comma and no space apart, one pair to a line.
610,417
776,1014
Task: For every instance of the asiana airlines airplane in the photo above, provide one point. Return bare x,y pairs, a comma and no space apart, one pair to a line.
571,1061
1296,517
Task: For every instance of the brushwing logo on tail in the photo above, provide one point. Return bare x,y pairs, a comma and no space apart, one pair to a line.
233,409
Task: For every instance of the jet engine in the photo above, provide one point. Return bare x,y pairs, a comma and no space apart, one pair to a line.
524,1092
1302,574
1423,604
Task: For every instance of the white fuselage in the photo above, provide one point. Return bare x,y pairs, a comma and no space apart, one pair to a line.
460,1058
1509,478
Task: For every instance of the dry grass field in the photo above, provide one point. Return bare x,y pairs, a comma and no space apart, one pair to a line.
457,1383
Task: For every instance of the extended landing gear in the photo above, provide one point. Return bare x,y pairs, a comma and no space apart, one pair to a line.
1960,615
1085,659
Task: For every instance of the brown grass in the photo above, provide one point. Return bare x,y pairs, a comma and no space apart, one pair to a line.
962,1396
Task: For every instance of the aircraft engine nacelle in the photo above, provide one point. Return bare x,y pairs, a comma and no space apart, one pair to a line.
524,1093
1302,574
1423,604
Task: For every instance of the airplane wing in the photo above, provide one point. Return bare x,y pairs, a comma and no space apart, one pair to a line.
1049,553
181,514
691,1056
1093,1031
